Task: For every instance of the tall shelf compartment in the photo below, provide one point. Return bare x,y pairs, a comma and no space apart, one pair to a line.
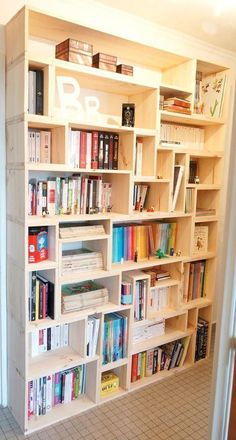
161,73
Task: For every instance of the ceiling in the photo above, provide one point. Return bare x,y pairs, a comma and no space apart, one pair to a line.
207,20
202,19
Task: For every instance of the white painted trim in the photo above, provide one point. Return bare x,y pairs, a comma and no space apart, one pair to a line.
3,312
226,328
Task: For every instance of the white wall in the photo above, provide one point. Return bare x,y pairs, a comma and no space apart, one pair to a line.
3,357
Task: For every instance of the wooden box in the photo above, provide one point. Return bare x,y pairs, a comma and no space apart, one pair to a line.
125,69
104,61
75,51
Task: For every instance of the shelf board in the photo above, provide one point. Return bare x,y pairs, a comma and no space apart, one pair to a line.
205,256
144,215
171,88
115,364
206,218
131,265
84,238
204,186
43,265
59,413
191,152
158,376
193,119
81,314
169,336
144,132
55,360
54,167
104,80
150,179
198,302
165,313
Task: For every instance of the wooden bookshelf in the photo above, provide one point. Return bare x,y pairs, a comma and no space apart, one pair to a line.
161,73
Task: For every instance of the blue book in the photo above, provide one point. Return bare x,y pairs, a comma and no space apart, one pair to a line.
116,336
115,245
120,243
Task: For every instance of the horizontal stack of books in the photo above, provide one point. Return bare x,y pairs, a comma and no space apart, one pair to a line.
196,280
83,296
178,105
69,195
142,240
80,260
39,146
48,339
59,388
157,274
205,211
93,324
140,298
157,359
73,230
202,338
93,150
149,329
41,297
182,136
115,337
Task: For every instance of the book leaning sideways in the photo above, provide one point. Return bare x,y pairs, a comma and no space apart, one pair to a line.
84,295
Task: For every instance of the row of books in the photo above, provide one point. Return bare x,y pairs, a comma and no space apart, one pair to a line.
39,146
140,193
140,298
41,297
80,260
182,136
48,339
47,392
157,359
69,195
83,296
196,280
142,240
35,92
115,337
93,325
202,338
159,298
93,150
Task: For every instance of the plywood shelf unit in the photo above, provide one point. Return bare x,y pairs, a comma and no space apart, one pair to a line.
158,73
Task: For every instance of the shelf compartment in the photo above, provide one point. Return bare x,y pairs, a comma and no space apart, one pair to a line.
205,239
207,200
165,163
122,372
145,156
56,151
208,169
39,65
205,313
157,196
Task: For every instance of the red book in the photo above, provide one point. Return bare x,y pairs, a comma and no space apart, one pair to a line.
130,248
83,148
44,301
94,155
134,368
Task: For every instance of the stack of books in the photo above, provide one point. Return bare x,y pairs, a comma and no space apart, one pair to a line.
140,298
78,194
73,230
41,297
48,339
157,274
178,105
202,337
93,324
80,260
82,296
205,211
93,150
142,240
157,359
115,337
149,329
196,280
48,391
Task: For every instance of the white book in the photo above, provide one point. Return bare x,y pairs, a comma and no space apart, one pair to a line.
57,336
35,343
179,171
32,92
65,335
88,151
30,158
68,387
95,334
77,154
37,146
53,338
72,148
39,198
49,394
139,157
45,146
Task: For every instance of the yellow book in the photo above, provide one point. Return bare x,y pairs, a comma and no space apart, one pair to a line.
143,250
109,383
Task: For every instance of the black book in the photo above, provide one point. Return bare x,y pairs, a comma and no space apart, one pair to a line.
110,153
50,305
115,152
100,150
155,363
39,92
192,171
33,297
49,339
106,151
